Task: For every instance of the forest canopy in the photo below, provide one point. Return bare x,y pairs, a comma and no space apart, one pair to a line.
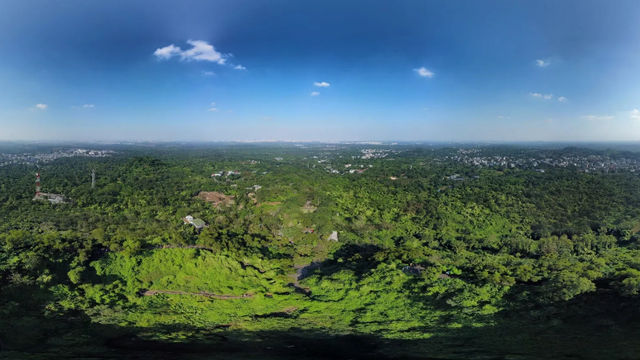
413,245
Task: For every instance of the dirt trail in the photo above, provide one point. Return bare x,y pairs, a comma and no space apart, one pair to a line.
169,246
302,271
201,293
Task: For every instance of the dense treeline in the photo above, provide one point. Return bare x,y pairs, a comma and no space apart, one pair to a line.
417,251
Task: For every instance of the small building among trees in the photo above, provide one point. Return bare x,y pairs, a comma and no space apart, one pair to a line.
197,223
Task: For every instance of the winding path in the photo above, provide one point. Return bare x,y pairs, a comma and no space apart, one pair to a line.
201,293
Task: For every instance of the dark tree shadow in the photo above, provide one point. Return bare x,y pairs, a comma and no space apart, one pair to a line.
594,326
358,258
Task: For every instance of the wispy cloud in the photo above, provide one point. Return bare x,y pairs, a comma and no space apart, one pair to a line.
213,107
541,96
167,52
597,117
635,114
424,72
208,73
543,63
83,106
321,84
239,67
41,106
562,99
315,93
200,51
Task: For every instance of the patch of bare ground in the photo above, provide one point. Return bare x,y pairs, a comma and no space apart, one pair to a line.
216,198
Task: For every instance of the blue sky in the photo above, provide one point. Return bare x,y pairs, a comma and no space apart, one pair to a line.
323,70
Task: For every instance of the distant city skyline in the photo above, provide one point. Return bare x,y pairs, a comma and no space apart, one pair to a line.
442,71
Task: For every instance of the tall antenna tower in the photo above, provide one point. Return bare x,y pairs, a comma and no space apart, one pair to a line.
37,184
52,198
93,178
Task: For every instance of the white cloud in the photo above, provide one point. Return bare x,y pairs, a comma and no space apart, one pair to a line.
167,52
598,117
41,106
239,67
635,114
541,96
208,73
315,93
321,84
424,72
212,107
200,51
562,99
542,63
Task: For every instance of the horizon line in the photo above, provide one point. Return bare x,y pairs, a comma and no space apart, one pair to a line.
270,141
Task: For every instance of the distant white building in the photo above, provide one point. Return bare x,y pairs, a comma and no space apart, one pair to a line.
52,198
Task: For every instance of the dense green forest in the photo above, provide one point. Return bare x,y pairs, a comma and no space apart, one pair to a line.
321,252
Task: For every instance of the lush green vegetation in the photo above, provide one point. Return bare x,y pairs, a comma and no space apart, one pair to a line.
506,262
